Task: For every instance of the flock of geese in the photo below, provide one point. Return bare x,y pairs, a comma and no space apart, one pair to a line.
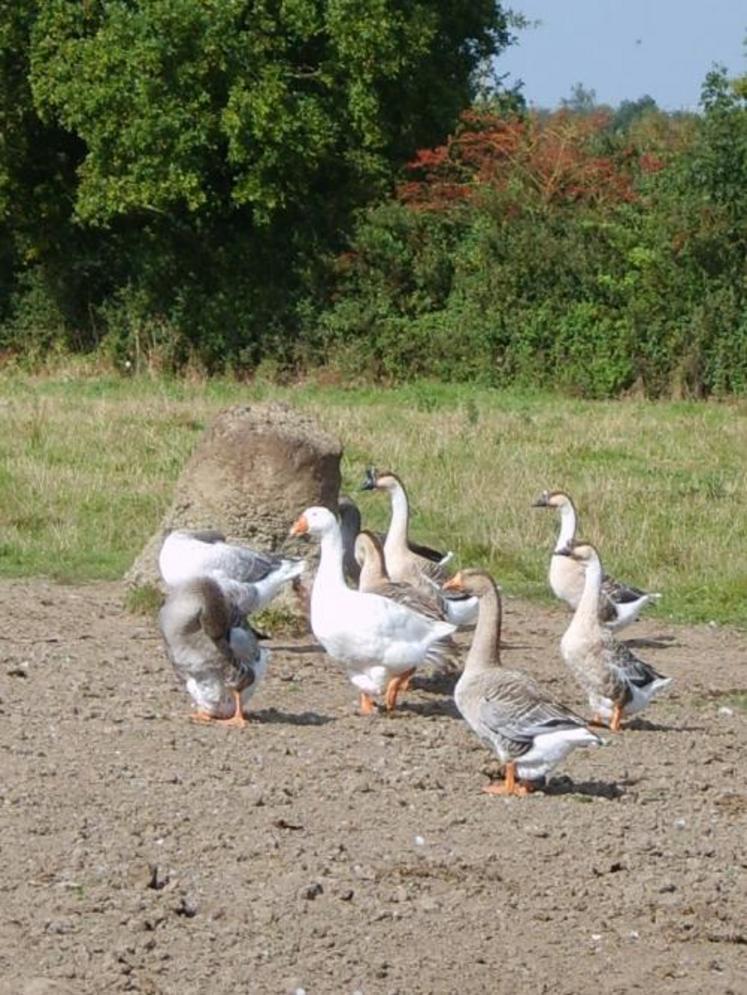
385,607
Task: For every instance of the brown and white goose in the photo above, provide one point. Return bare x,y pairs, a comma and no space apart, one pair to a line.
405,560
530,733
213,652
619,604
617,683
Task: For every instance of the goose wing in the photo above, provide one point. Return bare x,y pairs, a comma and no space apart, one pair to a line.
631,669
232,655
427,552
205,535
373,628
619,592
247,565
517,710
411,597
185,555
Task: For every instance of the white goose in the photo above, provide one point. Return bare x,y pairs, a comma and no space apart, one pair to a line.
530,733
250,579
620,604
405,560
615,680
217,657
381,643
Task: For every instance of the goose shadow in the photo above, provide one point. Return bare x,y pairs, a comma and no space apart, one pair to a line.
444,707
436,683
559,786
272,716
645,725
298,650
650,642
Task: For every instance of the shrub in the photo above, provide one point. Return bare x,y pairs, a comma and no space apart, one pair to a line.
560,251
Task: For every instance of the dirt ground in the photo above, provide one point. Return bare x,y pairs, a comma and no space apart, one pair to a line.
316,851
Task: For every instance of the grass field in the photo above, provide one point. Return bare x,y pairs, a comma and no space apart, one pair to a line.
88,464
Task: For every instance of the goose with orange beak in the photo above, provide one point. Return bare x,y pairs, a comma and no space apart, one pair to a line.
510,713
379,642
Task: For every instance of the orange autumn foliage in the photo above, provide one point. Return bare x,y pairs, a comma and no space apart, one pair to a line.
552,156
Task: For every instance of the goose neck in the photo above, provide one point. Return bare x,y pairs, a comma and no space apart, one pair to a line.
329,574
484,653
568,521
373,572
396,537
586,613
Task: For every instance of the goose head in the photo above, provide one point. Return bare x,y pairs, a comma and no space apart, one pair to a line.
552,499
315,521
580,551
471,582
380,481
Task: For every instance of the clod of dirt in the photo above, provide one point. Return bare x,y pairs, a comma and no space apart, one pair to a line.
187,907
312,891
158,878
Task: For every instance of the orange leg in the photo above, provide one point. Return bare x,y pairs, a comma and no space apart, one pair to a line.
237,719
511,786
394,687
617,714
367,707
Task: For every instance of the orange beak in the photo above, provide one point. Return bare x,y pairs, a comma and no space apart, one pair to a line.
300,526
454,583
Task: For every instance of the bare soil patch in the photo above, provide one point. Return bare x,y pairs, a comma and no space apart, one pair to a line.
321,851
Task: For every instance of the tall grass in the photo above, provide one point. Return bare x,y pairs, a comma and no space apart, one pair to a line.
88,466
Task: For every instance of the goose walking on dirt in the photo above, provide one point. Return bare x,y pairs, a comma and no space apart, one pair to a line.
217,657
616,681
529,732
381,643
405,560
619,604
250,579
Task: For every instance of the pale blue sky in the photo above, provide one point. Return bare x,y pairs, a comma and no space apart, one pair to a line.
624,49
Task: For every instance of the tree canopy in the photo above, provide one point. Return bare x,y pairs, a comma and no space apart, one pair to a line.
178,129
203,104
308,181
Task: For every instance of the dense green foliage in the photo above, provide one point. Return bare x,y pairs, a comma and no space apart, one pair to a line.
593,252
236,182
173,171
